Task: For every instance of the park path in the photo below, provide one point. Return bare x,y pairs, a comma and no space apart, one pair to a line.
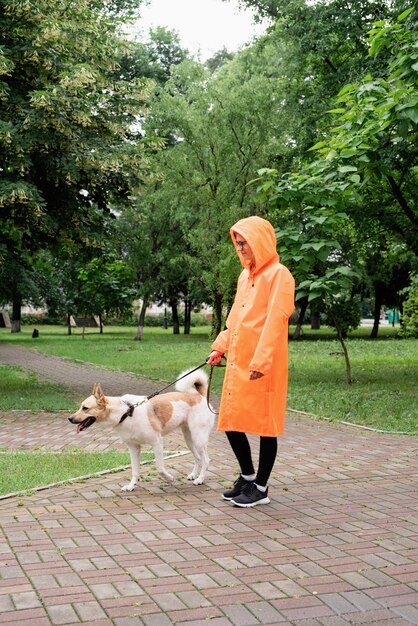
337,546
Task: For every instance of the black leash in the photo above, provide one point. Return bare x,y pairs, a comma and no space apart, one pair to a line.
132,407
209,384
156,393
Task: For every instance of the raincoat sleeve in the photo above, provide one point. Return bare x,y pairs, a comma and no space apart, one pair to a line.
221,342
280,307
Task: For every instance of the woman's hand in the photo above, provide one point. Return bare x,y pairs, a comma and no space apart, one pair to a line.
214,358
254,375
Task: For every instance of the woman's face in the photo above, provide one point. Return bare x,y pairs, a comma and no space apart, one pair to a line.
243,247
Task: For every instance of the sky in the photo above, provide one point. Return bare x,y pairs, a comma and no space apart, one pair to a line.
204,26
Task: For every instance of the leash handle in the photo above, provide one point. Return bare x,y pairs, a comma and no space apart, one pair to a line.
208,389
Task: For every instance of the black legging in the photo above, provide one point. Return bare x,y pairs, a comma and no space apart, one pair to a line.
241,448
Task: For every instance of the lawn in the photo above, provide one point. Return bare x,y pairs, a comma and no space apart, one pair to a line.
38,469
385,370
21,389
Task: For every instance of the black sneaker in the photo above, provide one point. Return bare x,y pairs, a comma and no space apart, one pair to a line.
251,496
239,484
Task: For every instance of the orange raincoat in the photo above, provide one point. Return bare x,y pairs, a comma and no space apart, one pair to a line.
256,337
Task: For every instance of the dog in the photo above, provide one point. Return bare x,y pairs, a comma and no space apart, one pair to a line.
139,421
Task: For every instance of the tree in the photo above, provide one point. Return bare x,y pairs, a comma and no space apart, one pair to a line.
321,267
106,288
343,314
372,150
317,47
70,145
366,164
146,237
56,277
156,249
154,58
308,246
17,277
219,130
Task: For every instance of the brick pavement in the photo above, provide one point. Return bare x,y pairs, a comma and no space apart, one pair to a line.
338,545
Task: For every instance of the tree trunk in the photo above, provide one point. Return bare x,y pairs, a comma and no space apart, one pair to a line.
141,321
315,320
217,314
378,298
301,317
68,323
187,316
347,360
16,314
175,314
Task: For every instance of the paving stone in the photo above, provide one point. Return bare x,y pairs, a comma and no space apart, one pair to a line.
337,546
62,614
89,610
6,603
265,612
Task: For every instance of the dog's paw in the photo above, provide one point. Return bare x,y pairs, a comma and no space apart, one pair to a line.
129,487
198,481
168,476
191,476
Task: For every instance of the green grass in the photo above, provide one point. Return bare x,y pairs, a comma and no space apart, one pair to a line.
383,394
21,389
37,469
385,370
159,356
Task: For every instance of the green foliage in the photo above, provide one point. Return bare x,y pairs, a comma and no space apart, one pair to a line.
157,321
18,276
218,131
409,321
308,246
343,315
106,287
155,58
70,146
374,143
364,166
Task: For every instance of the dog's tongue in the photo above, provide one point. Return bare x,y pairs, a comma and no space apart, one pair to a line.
86,423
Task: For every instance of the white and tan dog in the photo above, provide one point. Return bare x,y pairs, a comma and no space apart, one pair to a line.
150,420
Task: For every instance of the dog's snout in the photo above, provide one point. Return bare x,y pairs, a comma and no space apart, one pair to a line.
71,419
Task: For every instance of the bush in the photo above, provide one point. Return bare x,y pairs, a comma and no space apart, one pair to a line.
32,319
197,319
409,320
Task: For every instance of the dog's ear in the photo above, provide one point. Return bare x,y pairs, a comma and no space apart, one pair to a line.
97,391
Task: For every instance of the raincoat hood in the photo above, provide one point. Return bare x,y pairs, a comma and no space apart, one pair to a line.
261,238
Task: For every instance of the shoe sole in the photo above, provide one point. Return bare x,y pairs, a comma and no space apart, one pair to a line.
263,501
228,499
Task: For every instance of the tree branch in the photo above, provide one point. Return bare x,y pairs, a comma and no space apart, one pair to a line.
397,192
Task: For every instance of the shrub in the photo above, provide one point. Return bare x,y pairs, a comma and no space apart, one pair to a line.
409,320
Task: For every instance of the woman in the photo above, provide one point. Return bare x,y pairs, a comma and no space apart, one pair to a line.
255,386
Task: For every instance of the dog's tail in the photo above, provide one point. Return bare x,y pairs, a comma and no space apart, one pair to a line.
196,382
